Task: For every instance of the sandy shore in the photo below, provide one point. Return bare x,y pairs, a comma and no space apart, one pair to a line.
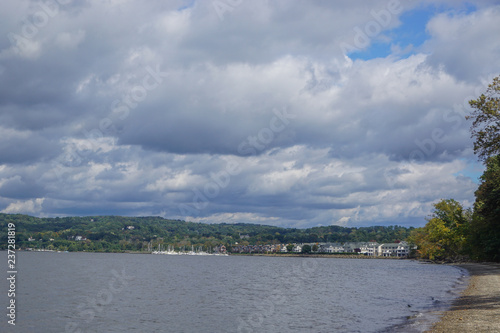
478,308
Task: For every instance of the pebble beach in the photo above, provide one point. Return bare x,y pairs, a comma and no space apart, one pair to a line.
478,307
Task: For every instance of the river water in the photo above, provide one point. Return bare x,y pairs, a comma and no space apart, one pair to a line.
101,292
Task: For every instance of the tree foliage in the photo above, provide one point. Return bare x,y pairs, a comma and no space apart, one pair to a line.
484,239
485,229
306,248
485,128
445,234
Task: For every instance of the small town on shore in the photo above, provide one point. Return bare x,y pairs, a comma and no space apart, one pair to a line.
372,249
369,249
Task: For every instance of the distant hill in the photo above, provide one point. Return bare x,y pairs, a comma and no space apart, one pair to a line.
117,233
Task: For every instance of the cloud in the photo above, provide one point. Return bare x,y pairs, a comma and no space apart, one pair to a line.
70,40
465,44
24,146
254,114
25,207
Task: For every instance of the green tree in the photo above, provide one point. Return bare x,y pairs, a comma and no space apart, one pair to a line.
484,240
445,234
485,228
485,128
289,247
306,248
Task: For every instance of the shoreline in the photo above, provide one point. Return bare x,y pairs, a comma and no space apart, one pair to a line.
275,255
477,309
316,255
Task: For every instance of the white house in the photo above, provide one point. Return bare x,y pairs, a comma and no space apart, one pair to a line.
368,249
401,249
332,248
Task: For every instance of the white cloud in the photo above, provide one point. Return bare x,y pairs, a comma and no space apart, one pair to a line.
34,206
466,44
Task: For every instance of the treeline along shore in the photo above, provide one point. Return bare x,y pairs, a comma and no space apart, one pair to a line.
143,234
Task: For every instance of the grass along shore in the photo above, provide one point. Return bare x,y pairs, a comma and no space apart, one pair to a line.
478,308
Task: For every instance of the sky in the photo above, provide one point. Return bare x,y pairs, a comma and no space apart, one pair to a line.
287,113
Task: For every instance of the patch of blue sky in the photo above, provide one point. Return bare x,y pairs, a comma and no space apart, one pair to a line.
474,171
406,39
468,8
189,4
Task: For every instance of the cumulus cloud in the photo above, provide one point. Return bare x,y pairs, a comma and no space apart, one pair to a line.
25,207
465,44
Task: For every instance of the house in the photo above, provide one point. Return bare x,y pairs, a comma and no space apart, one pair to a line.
401,249
130,227
331,248
297,248
369,251
80,238
350,247
368,248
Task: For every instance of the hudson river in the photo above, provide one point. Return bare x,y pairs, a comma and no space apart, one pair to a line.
99,292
